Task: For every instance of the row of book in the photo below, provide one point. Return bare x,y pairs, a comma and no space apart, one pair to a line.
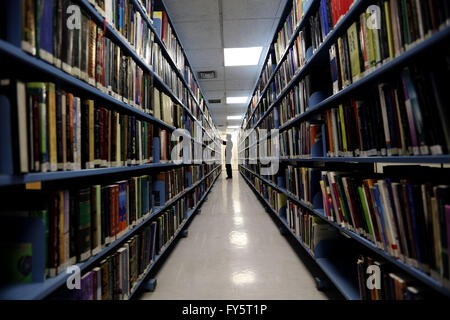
87,53
117,276
407,218
398,118
274,198
302,183
164,30
323,21
308,228
170,184
295,60
387,282
303,140
167,36
56,130
127,21
296,102
279,47
369,42
81,222
299,7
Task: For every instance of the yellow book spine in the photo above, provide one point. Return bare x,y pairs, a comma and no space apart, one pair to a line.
387,10
52,126
352,34
370,44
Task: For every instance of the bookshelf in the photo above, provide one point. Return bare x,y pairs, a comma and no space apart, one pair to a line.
33,291
319,59
195,110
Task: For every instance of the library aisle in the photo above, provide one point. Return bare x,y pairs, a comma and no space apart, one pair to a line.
233,251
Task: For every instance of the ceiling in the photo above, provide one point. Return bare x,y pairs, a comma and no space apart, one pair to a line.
206,27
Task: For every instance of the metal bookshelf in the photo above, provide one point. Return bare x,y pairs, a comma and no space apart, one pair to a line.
337,274
418,274
317,58
189,215
40,290
11,53
341,26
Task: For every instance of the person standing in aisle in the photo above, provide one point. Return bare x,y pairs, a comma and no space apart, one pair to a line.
228,155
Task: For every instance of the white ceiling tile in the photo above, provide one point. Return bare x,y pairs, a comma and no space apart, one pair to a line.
214,94
192,10
249,9
200,34
212,85
244,84
241,73
204,58
247,33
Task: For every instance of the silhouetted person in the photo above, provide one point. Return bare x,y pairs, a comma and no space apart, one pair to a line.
228,155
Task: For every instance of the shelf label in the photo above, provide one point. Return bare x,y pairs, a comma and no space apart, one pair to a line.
33,185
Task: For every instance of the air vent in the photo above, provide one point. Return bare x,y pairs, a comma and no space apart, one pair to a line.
215,101
206,75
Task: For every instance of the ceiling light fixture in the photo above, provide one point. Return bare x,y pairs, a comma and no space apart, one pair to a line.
234,117
242,56
236,100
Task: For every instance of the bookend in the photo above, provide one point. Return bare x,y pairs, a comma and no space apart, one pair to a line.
323,283
149,285
184,233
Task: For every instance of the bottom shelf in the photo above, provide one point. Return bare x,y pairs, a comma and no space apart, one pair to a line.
40,290
335,269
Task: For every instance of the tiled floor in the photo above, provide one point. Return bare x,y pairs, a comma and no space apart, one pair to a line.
233,251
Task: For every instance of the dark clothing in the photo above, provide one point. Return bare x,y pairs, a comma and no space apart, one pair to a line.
229,147
229,171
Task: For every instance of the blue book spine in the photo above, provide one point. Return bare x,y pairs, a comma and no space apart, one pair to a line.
46,30
380,214
414,221
122,204
156,150
159,190
120,15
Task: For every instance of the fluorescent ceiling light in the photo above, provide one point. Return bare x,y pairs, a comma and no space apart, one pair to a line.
233,127
242,56
236,100
234,117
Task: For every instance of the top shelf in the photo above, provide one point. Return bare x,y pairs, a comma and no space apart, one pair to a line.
344,22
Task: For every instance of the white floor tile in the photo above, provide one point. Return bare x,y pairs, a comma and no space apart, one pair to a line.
233,251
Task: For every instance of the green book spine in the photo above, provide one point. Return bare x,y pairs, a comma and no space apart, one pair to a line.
84,226
366,212
406,34
38,89
354,52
